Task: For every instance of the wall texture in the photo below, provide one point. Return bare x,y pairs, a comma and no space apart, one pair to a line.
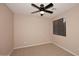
30,30
6,42
71,41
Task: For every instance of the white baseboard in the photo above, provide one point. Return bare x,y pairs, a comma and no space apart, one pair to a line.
32,45
65,49
5,55
10,52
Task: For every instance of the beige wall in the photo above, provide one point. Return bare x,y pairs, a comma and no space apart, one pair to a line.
71,41
6,42
31,30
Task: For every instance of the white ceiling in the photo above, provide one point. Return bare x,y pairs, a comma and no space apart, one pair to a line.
26,8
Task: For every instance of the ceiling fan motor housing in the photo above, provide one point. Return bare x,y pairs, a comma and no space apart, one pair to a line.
42,7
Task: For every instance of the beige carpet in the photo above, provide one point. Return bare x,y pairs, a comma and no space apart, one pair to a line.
41,50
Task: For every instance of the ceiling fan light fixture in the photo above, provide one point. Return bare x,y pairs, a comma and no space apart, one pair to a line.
42,12
43,9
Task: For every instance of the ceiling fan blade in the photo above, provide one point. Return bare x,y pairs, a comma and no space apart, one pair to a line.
49,11
35,6
35,12
48,6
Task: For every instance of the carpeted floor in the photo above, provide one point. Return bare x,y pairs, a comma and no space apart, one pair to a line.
41,50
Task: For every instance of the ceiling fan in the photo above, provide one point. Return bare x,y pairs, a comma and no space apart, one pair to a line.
42,9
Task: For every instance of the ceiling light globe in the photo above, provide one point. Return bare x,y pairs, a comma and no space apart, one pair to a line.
41,12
